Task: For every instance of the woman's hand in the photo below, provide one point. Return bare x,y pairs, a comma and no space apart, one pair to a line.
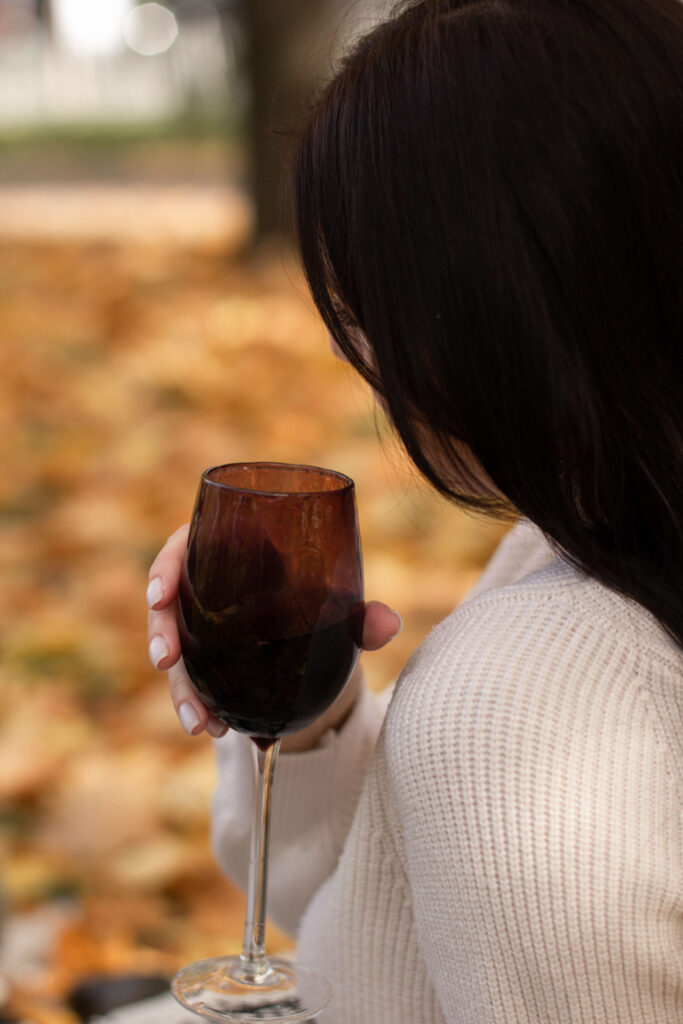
380,625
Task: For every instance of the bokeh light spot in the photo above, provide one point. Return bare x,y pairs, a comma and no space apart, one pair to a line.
150,29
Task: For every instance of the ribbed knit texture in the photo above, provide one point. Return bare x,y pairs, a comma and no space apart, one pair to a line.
512,852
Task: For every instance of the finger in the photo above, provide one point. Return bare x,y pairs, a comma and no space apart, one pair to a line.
380,625
164,572
193,716
162,637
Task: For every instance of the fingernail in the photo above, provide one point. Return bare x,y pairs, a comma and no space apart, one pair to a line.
155,591
188,717
158,650
400,624
216,729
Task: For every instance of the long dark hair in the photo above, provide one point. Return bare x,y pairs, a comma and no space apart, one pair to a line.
490,193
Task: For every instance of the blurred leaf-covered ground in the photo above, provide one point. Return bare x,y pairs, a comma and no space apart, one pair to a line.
127,368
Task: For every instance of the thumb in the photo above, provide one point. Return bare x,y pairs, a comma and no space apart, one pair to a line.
380,625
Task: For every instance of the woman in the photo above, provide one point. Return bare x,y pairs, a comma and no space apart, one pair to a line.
488,205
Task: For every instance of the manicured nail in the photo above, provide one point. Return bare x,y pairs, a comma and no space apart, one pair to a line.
216,729
188,717
155,591
158,650
400,624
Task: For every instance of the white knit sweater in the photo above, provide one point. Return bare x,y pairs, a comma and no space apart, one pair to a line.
507,848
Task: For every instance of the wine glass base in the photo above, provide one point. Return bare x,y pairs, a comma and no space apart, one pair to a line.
218,989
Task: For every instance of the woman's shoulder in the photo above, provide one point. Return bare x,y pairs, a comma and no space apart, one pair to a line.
532,773
554,609
527,583
543,656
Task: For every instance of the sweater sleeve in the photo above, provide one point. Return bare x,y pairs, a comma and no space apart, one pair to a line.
537,818
315,793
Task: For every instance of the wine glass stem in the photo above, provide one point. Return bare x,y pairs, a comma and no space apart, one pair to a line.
254,960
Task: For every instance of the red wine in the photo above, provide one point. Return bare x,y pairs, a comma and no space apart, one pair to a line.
270,602
272,665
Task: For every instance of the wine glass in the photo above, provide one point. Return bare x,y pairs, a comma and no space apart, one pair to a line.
270,615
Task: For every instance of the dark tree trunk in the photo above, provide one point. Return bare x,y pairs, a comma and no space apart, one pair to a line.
288,59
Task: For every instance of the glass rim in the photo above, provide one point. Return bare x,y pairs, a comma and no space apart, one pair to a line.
346,483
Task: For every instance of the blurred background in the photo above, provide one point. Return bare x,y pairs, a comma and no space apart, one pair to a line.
154,321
